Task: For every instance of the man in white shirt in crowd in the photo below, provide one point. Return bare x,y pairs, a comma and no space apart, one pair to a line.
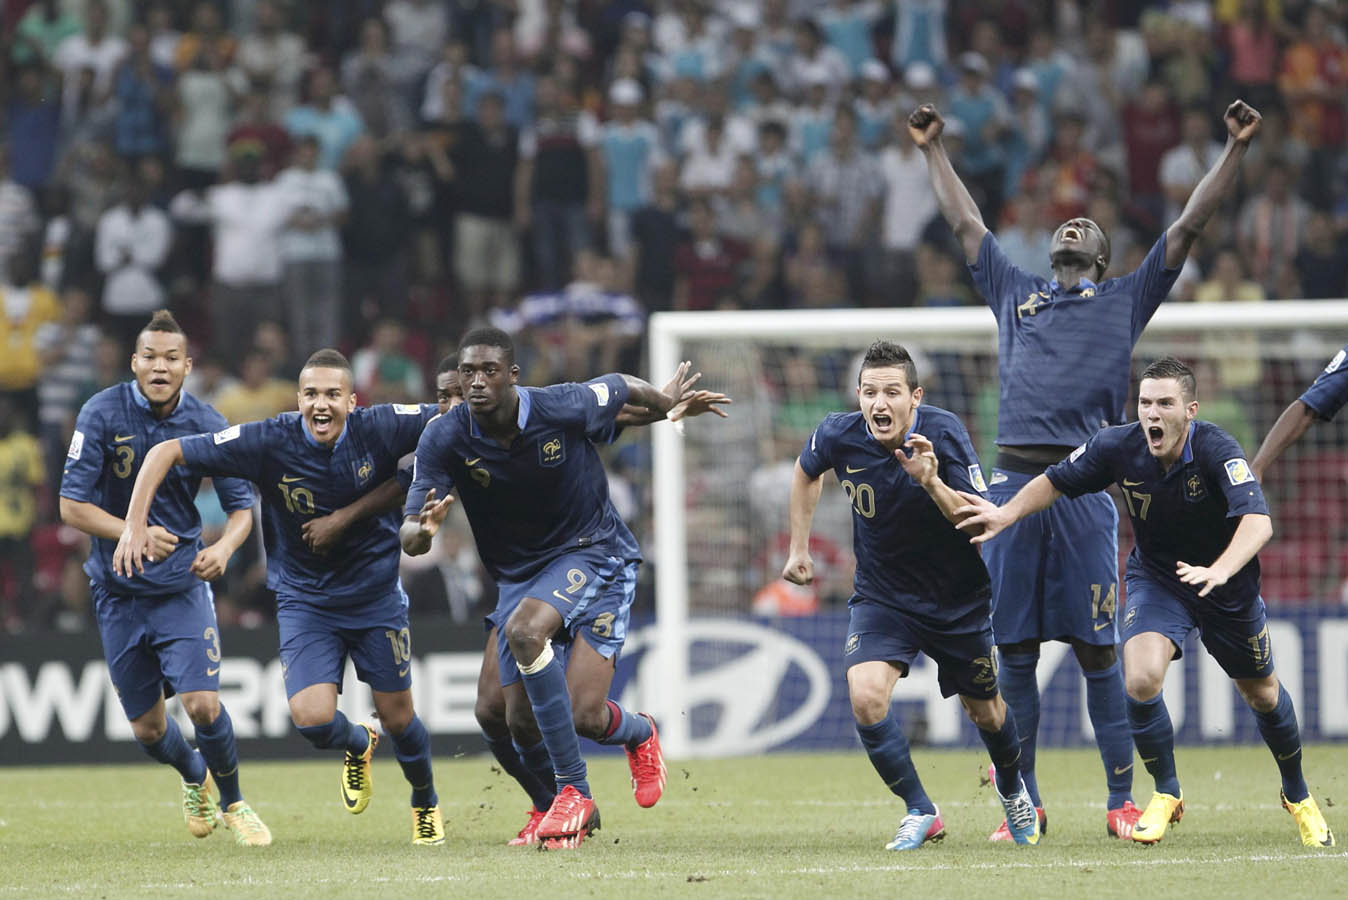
311,250
131,244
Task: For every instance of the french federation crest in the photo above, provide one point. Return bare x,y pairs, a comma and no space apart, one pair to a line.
551,450
364,469
1194,489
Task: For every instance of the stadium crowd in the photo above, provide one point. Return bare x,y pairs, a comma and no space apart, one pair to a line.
379,176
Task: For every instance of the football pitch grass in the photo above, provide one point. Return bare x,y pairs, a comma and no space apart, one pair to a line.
777,826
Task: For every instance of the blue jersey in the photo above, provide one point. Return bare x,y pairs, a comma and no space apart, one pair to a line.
114,431
544,495
1188,513
1063,352
301,479
1330,391
908,554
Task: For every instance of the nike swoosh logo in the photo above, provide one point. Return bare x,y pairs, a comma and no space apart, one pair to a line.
122,438
1120,770
1290,755
1103,625
1127,483
1147,762
287,479
560,596
402,673
472,462
210,673
852,471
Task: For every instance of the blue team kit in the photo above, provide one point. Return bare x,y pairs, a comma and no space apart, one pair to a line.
1327,395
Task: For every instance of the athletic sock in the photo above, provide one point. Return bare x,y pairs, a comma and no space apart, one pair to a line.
1278,728
172,749
1105,704
1155,739
412,748
340,733
1004,750
221,752
888,749
626,728
1017,679
551,702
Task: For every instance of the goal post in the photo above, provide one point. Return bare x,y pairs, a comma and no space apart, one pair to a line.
1254,357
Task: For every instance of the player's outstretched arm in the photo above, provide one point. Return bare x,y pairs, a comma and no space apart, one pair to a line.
688,402
957,204
923,467
984,519
1242,124
805,491
211,562
323,533
1291,425
1251,535
416,531
134,544
95,521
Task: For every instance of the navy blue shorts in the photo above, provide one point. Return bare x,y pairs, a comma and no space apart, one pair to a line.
156,646
965,661
1054,574
1237,640
316,641
591,590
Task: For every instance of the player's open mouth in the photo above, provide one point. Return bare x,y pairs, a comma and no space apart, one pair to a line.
881,421
159,382
1155,435
1072,234
321,421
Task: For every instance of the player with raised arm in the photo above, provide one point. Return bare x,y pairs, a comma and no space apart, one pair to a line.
1320,402
158,625
1199,518
1063,362
920,586
536,497
345,600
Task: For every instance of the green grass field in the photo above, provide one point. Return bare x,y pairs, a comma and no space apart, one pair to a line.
776,826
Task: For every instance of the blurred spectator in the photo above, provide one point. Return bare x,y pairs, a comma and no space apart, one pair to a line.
328,117
486,248
273,57
631,151
205,108
1053,67
1322,262
93,49
1026,236
55,238
1151,128
710,166
43,28
452,69
1028,133
847,24
775,167
18,215
311,251
21,477
848,189
738,214
246,214
66,349
143,90
131,245
1184,165
418,30
514,85
559,182
655,235
909,204
1251,46
706,264
258,394
374,238
875,108
1270,227
812,120
546,27
938,281
34,120
815,61
1313,79
1066,177
255,124
983,110
1236,354
369,80
808,263
164,37
207,39
383,371
919,33
26,304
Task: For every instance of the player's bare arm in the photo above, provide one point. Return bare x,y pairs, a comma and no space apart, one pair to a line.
211,562
416,532
805,491
95,521
923,466
688,402
1251,535
321,534
957,205
985,520
1242,124
134,544
1295,420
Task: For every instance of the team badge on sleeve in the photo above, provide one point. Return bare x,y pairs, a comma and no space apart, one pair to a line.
600,392
407,409
1335,362
1076,454
229,434
976,478
76,445
1237,471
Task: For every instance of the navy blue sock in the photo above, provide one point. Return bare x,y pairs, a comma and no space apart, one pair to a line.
413,751
1004,749
1020,689
626,728
1278,728
339,734
217,746
539,764
551,703
1104,702
173,749
888,749
1155,739
509,757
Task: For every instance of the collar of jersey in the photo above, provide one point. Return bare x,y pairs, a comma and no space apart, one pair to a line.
1187,456
346,427
144,402
522,419
1085,282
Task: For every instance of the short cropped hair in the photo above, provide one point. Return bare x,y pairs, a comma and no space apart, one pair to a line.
327,358
887,354
449,364
1170,367
489,337
162,320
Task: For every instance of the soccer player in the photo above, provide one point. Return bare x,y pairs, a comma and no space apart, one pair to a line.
536,497
1200,518
920,586
158,626
1063,364
347,601
1321,402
